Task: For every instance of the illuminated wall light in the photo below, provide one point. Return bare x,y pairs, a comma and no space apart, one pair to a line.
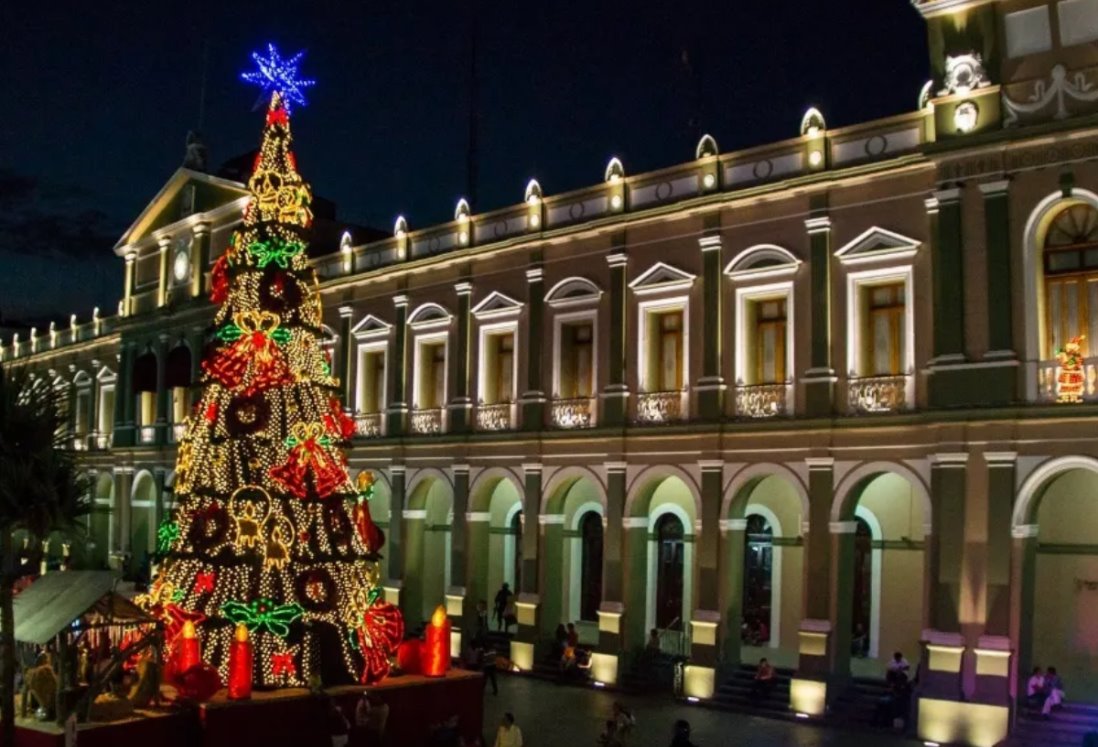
965,117
812,123
615,172
533,200
597,683
815,158
692,699
461,215
615,202
400,228
801,715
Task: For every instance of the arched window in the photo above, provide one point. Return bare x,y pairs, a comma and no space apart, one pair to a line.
669,571
757,589
863,587
516,534
1071,278
591,572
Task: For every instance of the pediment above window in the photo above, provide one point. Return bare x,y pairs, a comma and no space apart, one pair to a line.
573,291
762,261
662,277
877,244
428,316
370,327
496,305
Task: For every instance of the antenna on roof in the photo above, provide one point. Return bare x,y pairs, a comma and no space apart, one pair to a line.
471,155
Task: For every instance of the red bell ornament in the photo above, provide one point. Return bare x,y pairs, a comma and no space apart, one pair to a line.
241,665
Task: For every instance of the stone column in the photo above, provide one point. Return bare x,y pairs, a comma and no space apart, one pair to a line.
711,387
700,677
459,607
551,572
612,608
162,399
200,258
476,563
93,406
123,488
162,288
615,397
533,399
1001,468
395,582
397,422
344,367
124,397
461,403
528,604
819,379
127,290
809,689
733,544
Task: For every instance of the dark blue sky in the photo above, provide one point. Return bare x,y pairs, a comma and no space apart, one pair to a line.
100,97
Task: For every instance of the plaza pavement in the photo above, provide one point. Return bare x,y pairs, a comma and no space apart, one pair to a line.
551,715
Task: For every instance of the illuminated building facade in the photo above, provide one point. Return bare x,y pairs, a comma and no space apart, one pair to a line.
826,385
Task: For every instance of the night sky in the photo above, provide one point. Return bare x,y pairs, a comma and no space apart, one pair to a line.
100,97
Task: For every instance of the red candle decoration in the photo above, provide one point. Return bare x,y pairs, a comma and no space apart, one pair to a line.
435,656
408,656
241,661
188,651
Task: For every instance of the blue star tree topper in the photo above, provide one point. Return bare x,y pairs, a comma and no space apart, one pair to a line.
275,74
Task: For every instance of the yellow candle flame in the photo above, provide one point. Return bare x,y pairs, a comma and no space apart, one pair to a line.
188,630
241,633
439,617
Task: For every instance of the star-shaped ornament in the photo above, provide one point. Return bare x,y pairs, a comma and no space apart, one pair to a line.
277,75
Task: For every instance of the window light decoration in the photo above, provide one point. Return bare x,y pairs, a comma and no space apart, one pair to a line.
1070,379
262,535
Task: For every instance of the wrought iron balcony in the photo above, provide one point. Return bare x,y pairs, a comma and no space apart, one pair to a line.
103,441
872,394
147,434
498,417
1049,386
660,407
369,424
178,431
762,400
427,422
573,413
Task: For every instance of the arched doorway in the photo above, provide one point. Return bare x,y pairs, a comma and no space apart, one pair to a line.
428,525
142,525
670,567
758,589
512,549
590,566
884,518
1057,625
100,523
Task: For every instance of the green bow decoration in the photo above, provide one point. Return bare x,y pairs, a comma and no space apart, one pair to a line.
276,250
231,333
166,534
263,614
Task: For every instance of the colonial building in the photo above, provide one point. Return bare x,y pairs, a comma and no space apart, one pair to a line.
825,387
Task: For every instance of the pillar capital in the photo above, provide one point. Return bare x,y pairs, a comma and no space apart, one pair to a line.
710,243
818,224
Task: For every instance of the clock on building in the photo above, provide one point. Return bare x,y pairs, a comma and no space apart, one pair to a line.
181,261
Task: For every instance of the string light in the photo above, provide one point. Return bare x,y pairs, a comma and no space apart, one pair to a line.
268,531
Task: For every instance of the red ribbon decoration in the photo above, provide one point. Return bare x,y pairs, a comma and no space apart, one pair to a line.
204,582
283,664
378,637
309,456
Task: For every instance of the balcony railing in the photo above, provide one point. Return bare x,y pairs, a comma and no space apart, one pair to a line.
427,422
762,400
178,431
1048,377
873,394
147,434
573,413
660,407
103,441
498,417
368,424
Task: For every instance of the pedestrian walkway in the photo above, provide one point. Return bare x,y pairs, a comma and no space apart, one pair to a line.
551,715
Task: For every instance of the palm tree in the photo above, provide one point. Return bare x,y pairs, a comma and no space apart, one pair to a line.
41,491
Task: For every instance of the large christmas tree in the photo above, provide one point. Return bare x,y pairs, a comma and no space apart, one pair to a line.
268,530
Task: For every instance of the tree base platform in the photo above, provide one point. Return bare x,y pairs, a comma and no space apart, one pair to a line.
286,717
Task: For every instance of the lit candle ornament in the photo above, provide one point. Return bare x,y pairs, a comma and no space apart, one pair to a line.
435,656
241,663
188,651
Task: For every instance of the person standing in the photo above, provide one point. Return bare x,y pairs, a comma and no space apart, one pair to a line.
508,734
338,727
500,607
681,734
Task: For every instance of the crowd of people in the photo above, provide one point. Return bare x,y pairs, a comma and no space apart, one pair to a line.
1044,690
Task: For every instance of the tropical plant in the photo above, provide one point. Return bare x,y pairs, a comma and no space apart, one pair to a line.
42,491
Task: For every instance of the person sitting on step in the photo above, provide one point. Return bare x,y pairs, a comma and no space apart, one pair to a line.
764,680
1035,688
1054,692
